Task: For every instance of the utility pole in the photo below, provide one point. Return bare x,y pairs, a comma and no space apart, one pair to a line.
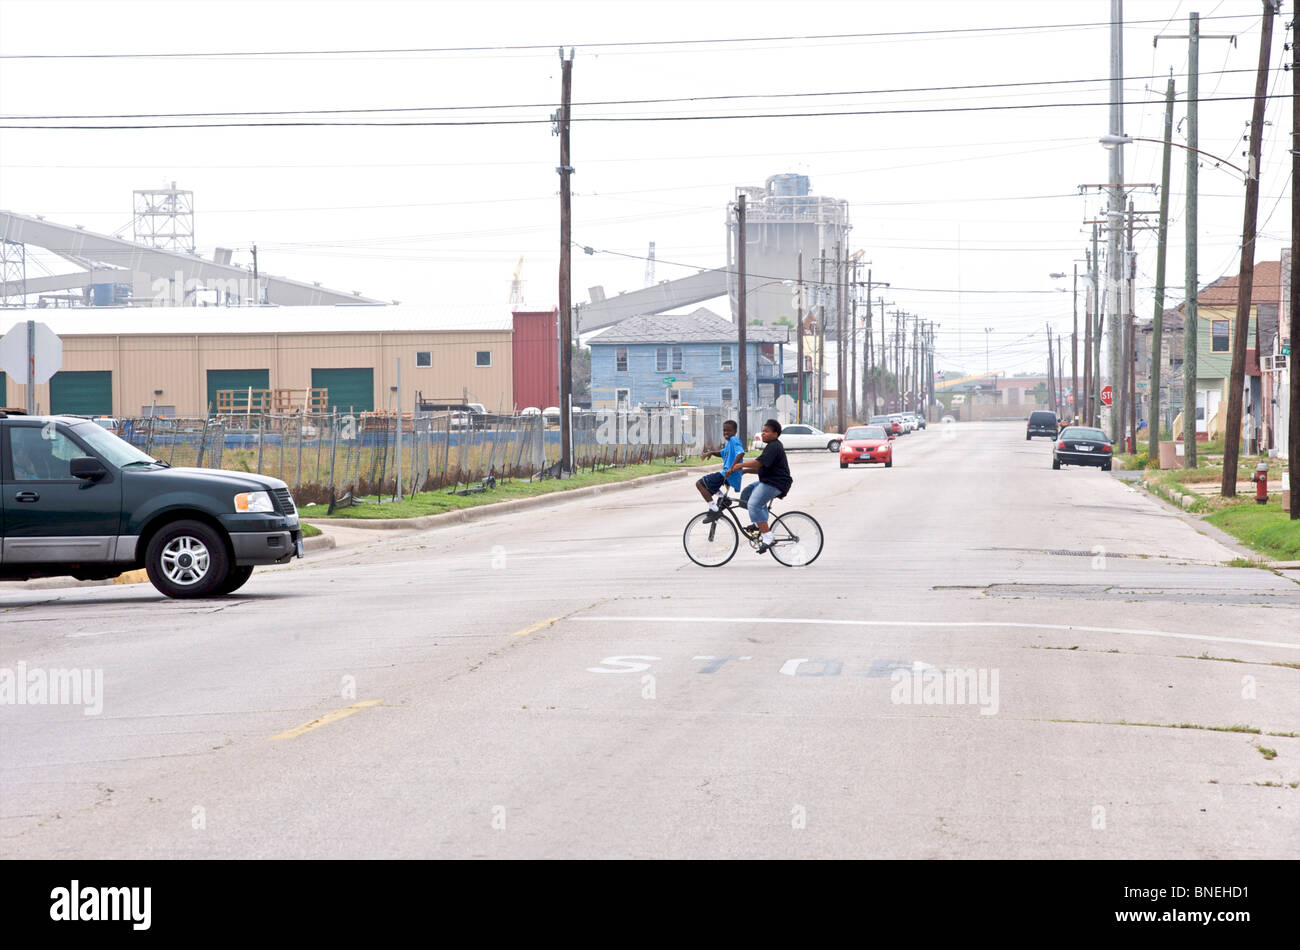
1074,352
257,290
853,337
743,382
1085,407
841,390
1051,383
1116,185
868,383
1130,368
821,336
1157,321
1246,274
884,358
1293,413
798,332
1100,313
566,290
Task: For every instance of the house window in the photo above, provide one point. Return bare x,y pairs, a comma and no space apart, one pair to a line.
674,397
483,358
726,395
620,359
677,358
1219,336
424,358
622,398
661,360
725,358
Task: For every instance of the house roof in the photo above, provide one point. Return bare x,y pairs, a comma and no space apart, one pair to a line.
1266,287
701,326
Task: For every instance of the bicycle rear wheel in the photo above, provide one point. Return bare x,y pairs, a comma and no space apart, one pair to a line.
797,539
710,544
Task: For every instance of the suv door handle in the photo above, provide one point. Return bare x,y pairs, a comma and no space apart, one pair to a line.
27,496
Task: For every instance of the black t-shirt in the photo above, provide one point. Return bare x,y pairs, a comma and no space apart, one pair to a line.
772,467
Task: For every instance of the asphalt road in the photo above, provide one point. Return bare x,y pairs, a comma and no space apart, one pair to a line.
563,682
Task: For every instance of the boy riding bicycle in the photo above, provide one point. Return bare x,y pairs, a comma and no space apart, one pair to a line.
710,486
774,480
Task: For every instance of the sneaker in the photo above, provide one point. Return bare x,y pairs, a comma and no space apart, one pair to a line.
711,516
762,547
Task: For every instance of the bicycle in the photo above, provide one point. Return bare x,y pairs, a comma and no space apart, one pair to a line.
797,537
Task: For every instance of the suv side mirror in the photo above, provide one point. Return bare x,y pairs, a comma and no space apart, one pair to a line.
87,468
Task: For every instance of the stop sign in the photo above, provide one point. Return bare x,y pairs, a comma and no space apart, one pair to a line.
1107,397
14,358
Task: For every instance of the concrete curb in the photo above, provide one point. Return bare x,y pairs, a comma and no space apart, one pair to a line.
450,518
140,576
1217,534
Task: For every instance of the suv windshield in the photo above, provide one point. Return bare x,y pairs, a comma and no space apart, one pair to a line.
115,451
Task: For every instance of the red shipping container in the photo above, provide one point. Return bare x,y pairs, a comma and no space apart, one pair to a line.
536,352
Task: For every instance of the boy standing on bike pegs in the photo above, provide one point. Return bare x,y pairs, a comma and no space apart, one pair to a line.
774,480
710,486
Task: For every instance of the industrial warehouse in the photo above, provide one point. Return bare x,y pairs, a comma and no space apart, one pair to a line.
177,360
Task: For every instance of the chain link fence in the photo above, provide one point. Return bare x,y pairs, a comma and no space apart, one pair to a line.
329,458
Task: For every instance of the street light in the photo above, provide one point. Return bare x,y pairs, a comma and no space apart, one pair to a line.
987,331
1110,141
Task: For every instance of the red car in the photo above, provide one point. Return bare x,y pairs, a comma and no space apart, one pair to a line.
867,444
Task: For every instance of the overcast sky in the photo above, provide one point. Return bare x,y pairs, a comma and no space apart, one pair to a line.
965,213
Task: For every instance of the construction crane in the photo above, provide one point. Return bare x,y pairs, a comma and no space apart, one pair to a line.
517,287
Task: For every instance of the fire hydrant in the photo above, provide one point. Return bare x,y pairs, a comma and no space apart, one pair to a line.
1260,478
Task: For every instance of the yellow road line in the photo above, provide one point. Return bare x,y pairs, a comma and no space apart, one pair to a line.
534,628
327,719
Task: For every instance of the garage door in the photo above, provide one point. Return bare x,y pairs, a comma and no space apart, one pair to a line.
349,389
87,393
235,379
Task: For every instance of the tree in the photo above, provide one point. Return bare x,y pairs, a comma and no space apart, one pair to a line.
580,375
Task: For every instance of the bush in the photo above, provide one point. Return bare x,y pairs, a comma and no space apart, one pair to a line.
1152,465
1143,460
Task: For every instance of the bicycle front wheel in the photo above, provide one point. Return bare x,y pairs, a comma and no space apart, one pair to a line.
797,539
710,544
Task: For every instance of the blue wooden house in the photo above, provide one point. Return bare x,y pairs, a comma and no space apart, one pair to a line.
689,359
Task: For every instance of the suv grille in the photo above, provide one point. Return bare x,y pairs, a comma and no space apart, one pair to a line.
283,501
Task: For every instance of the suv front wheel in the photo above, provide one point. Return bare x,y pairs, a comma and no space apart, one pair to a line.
188,559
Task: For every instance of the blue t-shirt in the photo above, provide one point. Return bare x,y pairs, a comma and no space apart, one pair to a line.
730,452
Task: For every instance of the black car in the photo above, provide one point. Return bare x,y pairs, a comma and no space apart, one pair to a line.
1082,445
75,499
891,425
1042,422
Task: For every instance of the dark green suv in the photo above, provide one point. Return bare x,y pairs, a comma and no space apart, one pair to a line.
75,499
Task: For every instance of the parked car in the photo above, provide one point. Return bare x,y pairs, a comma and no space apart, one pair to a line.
891,425
920,419
800,435
1042,422
1082,445
75,499
905,420
866,444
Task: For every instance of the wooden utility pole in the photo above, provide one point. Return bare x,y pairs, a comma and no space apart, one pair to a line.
798,332
1085,407
1130,368
1157,321
868,382
1099,308
841,391
1074,353
1246,273
1293,413
821,336
1051,384
743,421
566,289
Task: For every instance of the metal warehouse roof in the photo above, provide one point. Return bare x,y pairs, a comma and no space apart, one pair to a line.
131,321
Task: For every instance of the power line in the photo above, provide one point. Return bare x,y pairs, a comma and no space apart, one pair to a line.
598,102
550,47
428,123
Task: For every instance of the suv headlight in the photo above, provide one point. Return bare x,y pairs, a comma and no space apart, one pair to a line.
254,501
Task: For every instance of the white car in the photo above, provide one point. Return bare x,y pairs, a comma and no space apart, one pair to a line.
905,418
803,436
